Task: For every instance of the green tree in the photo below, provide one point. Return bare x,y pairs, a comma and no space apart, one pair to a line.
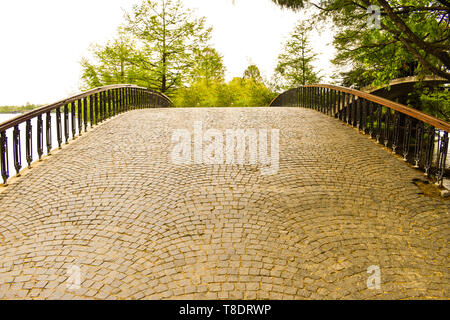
169,35
436,102
252,72
238,92
112,63
207,65
415,29
295,63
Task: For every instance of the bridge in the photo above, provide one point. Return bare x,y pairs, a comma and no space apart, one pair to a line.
400,87
352,211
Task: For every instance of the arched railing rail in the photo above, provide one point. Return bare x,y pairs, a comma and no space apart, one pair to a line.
70,117
420,138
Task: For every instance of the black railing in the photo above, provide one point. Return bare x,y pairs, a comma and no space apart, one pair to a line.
73,117
420,138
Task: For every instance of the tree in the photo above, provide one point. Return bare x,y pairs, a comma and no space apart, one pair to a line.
252,72
113,63
292,4
295,63
416,28
238,92
207,65
169,35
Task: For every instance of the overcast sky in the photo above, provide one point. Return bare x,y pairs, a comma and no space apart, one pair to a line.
43,41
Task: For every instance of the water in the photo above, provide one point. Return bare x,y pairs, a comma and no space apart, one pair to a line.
9,133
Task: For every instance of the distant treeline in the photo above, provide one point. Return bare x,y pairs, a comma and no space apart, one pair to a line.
18,109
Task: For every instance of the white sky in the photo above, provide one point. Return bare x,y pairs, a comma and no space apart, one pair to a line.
43,41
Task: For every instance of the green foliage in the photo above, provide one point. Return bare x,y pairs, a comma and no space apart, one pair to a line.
239,92
116,62
413,38
207,65
292,4
156,48
252,72
410,31
436,102
295,63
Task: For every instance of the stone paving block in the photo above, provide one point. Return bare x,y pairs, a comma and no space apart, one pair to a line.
141,227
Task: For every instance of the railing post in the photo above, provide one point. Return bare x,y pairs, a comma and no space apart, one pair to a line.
85,113
420,130
396,137
40,136
66,123
17,152
4,156
80,120
29,143
406,137
58,127
72,119
429,150
120,100
96,109
387,126
364,115
49,132
91,109
441,158
109,103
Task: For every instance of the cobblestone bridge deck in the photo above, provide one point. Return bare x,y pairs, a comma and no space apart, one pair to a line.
140,227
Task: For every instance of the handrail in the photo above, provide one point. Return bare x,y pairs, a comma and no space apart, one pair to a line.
421,139
85,110
438,123
50,107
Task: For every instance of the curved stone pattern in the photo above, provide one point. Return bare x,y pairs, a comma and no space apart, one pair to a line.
139,227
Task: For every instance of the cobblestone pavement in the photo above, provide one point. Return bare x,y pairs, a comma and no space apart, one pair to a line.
139,227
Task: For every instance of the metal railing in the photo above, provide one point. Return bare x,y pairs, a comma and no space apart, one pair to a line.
74,116
420,138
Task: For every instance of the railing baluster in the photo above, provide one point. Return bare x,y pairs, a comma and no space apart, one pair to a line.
114,101
80,119
420,130
40,136
387,126
379,119
371,119
29,142
58,127
349,108
17,152
66,123
72,117
85,113
441,158
358,113
4,157
100,98
396,137
364,116
96,109
48,132
91,110
108,93
429,149
407,137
